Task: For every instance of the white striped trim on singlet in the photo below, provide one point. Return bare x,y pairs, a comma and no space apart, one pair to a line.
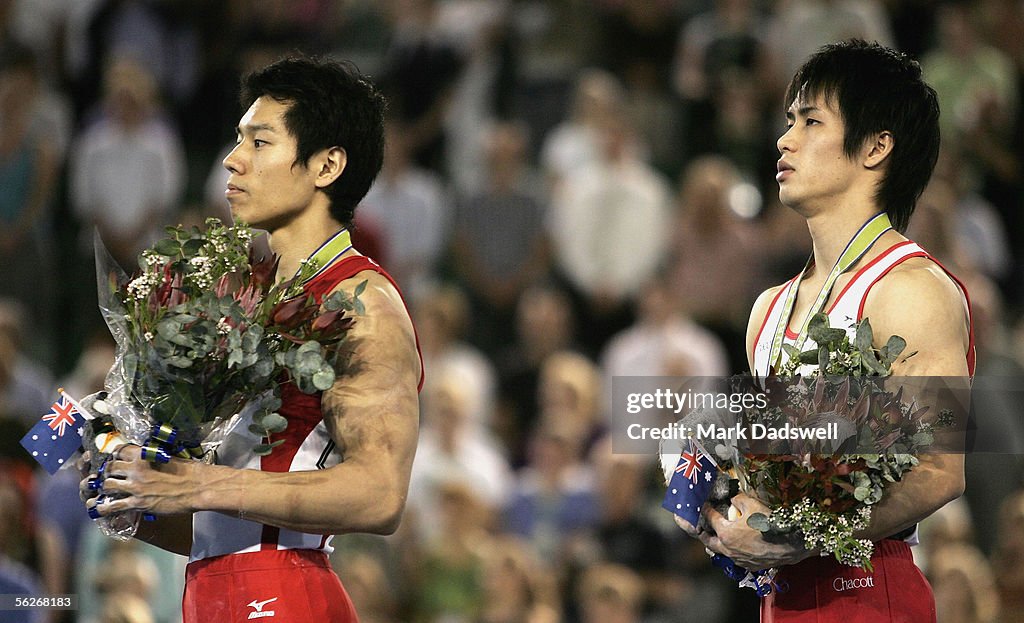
845,310
216,534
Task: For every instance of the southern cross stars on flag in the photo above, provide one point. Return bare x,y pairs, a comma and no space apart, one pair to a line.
57,435
691,483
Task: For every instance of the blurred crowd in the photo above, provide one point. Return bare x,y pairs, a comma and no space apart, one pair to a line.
573,190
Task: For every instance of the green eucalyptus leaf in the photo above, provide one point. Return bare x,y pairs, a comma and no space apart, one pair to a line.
862,493
759,522
816,325
865,336
309,347
179,361
893,348
181,339
823,357
263,368
168,328
875,366
323,379
274,422
192,247
809,357
167,246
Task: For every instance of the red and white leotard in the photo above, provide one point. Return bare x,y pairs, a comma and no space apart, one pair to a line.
848,307
821,589
308,446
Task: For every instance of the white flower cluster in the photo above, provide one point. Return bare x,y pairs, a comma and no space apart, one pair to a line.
201,275
242,233
841,362
140,287
831,533
797,391
223,328
151,258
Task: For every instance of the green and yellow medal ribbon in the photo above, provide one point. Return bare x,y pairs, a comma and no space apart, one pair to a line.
333,248
855,249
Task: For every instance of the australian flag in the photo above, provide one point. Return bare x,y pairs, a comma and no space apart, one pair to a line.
691,483
56,436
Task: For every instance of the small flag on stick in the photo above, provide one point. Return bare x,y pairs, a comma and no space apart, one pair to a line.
57,435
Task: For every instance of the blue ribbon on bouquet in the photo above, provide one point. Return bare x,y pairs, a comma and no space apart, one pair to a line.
761,581
96,484
164,442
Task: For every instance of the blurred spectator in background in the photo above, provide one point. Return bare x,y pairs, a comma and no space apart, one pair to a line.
544,325
15,577
125,608
712,239
574,143
628,535
1008,558
610,593
965,591
972,79
418,76
127,167
483,33
158,36
723,73
571,398
636,42
367,584
609,226
517,586
442,315
33,136
554,502
407,204
126,586
979,94
499,246
448,577
559,41
106,569
799,27
26,387
664,341
452,450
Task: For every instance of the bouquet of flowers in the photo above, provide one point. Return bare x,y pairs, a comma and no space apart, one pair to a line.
822,492
826,497
203,331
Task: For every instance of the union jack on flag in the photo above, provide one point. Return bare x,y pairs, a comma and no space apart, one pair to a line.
689,463
62,414
56,436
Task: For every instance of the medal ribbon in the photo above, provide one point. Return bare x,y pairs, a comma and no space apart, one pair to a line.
855,249
330,250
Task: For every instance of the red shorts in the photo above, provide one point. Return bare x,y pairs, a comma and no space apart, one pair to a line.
821,590
275,586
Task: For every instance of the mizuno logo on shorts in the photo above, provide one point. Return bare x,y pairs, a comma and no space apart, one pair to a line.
259,612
